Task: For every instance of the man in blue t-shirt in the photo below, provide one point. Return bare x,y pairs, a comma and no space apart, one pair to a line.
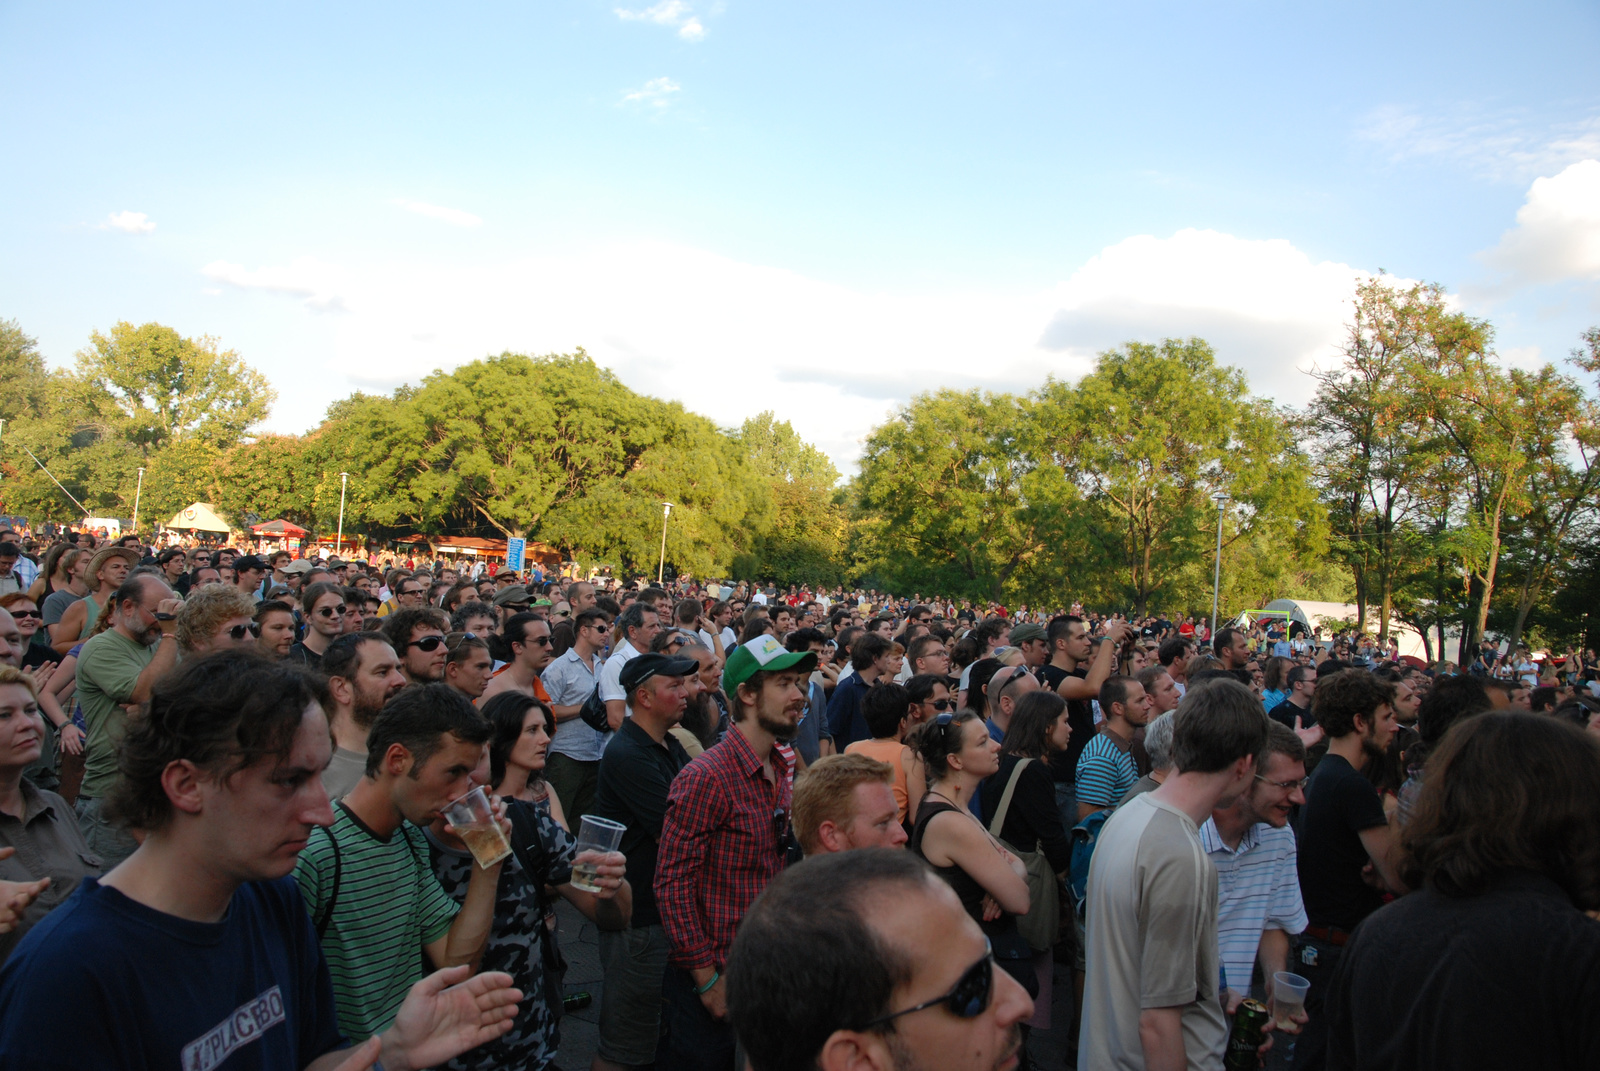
196,952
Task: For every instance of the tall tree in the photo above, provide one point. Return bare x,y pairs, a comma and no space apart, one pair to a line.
806,541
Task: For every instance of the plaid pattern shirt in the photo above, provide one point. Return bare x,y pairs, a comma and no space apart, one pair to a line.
722,840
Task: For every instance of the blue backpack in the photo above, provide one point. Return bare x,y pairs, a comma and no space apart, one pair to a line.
1084,835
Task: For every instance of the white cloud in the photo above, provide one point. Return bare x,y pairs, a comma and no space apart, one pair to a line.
130,222
655,93
450,215
729,338
1557,236
673,13
306,279
1504,145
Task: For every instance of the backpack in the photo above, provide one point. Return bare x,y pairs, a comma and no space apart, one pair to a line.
1084,836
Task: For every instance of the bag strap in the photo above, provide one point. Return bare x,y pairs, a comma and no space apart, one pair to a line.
1005,799
325,916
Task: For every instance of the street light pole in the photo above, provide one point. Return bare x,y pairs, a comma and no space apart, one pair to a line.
137,491
661,570
1216,574
338,542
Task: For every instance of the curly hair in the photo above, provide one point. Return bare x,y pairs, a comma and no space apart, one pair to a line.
206,608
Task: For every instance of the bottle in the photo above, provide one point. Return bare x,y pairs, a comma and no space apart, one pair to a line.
576,1001
1249,1024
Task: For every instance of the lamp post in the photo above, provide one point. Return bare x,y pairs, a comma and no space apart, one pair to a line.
661,570
338,542
1216,574
137,491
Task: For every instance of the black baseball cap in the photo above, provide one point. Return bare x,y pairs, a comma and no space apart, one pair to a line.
643,667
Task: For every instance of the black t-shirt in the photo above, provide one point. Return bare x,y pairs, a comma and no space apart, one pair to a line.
1340,804
1286,712
1080,715
1508,979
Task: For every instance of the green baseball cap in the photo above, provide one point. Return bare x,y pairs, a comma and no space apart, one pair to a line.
764,653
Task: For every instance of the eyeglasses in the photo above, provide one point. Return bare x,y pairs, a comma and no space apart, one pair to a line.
1287,786
967,999
237,632
427,643
27,613
412,591
332,611
942,704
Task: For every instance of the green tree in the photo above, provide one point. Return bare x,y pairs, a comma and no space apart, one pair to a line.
806,541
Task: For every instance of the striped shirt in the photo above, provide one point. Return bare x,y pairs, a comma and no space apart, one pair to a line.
387,907
1258,888
1106,770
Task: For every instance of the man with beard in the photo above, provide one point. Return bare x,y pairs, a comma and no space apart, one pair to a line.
1344,837
1258,885
363,674
417,636
116,671
702,717
724,837
635,772
876,991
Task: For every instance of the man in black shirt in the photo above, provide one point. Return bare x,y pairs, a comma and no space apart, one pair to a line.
636,770
1344,844
1071,675
1295,711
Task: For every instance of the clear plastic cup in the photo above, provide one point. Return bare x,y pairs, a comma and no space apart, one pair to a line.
1288,1000
596,835
472,816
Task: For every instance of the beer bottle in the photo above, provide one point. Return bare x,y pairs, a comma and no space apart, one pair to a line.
1249,1033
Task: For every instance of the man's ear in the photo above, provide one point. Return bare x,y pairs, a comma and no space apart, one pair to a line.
181,781
828,836
854,1050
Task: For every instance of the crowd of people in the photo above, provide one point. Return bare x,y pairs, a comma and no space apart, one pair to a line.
855,830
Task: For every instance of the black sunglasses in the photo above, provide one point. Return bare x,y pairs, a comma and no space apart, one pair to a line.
967,999
943,704
237,632
27,613
427,643
332,611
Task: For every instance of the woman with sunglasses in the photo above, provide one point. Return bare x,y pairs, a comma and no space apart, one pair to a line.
30,623
323,605
215,617
958,753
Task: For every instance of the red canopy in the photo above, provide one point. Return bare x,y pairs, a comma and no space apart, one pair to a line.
279,528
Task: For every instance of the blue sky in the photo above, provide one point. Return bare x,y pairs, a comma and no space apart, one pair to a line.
819,209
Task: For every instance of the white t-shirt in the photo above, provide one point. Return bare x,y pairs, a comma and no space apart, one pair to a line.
611,674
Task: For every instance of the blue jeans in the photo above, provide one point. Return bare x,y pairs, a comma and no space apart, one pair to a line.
111,843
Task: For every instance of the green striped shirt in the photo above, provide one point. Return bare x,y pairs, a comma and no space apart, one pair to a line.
389,904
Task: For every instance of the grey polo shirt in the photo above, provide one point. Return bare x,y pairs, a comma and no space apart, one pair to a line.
49,845
570,682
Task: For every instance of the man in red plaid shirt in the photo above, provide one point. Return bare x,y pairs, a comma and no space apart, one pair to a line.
724,837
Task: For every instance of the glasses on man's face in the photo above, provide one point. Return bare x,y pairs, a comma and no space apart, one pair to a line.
967,999
238,632
515,607
540,641
332,611
941,704
1287,786
599,626
427,643
404,592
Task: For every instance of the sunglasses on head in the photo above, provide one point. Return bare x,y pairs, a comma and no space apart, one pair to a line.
237,632
427,643
967,999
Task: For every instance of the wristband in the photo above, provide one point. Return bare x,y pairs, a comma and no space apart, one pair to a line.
703,990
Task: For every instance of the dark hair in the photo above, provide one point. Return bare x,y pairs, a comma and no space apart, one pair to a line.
223,712
868,649
417,719
990,630
884,707
1508,791
343,656
515,630
919,689
587,619
1281,740
399,625
458,620
1542,699
965,651
1450,700
978,678
805,963
1296,674
801,639
1114,690
1217,724
1172,650
272,606
921,646
631,618
458,644
1224,639
687,612
132,590
1342,698
1032,720
311,593
1272,676
505,714
935,741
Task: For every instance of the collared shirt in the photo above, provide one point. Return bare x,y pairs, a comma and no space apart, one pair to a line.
845,721
1258,888
635,775
722,840
571,682
49,845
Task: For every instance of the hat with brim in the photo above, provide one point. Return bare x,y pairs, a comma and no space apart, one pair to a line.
764,654
1021,634
299,567
514,594
642,667
105,554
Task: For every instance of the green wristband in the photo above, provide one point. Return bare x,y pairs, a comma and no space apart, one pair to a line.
703,990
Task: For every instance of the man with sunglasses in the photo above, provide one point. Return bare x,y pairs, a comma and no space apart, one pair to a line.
214,617
418,638
323,606
529,639
116,671
877,992
572,761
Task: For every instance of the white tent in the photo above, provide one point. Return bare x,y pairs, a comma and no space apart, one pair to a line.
1333,616
198,517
